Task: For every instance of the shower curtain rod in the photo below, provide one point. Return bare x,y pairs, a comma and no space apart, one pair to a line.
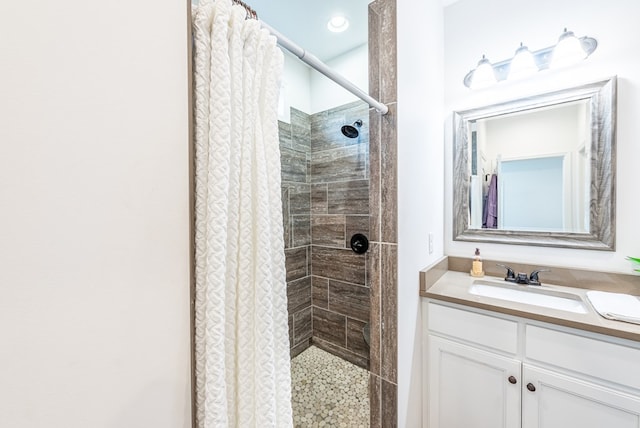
320,66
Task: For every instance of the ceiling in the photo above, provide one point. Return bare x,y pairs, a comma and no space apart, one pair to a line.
304,22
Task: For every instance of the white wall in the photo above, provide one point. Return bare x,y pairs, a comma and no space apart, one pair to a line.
311,91
420,182
521,135
353,65
295,89
495,28
94,227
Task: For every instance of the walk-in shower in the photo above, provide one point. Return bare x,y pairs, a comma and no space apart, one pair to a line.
325,191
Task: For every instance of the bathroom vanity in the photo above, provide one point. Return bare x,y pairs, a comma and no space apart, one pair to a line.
535,171
491,361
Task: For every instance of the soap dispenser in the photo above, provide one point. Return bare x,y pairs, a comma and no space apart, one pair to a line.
476,265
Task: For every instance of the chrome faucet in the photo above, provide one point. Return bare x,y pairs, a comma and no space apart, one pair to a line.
521,277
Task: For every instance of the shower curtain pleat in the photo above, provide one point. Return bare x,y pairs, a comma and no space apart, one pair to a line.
242,344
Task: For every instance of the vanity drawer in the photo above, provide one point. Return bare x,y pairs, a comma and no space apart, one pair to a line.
589,356
483,330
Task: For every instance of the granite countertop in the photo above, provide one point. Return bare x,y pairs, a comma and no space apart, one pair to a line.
454,287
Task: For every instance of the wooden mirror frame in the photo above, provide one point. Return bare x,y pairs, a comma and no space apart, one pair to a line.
601,235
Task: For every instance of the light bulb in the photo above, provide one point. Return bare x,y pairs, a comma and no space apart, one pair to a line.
522,65
338,24
483,75
568,51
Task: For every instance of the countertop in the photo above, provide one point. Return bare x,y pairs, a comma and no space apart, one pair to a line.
453,287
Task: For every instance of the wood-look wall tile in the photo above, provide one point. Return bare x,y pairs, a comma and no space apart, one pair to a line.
389,404
299,348
286,219
318,125
300,130
347,163
298,294
296,260
355,224
284,134
356,110
348,197
373,275
320,292
349,300
389,299
388,54
300,199
375,187
290,330
318,119
375,399
339,264
341,352
319,199
302,326
326,132
389,176
330,327
383,225
374,51
294,165
355,337
300,230
326,126
328,230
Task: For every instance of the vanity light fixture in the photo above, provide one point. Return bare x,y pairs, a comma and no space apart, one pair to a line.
569,50
338,24
522,64
484,74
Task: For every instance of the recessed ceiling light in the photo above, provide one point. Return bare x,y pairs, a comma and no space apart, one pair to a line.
338,24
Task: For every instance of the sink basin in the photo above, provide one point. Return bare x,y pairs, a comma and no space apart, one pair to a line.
531,295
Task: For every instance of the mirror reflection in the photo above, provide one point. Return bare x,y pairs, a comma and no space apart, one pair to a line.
530,169
538,170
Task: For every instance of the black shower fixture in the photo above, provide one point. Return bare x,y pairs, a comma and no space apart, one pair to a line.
351,131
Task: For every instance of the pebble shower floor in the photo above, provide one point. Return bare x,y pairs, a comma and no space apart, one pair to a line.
328,391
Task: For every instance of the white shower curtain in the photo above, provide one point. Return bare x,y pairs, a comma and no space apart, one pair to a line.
242,346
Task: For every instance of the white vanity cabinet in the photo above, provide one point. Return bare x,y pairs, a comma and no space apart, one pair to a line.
471,388
489,370
560,401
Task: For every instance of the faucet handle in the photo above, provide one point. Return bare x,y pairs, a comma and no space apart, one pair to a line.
511,276
533,278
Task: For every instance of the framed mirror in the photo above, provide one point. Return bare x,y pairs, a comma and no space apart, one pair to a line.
538,170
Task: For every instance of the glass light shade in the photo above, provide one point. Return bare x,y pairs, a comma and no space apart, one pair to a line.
338,24
483,75
567,52
522,65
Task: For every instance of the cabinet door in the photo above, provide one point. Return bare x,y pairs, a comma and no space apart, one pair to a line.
551,400
471,388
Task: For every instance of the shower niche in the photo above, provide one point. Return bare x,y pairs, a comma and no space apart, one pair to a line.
325,195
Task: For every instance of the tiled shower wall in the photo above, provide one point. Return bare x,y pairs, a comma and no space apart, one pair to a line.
381,277
339,209
295,155
383,268
325,189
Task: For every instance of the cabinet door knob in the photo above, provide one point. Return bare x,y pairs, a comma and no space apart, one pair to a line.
513,380
531,387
